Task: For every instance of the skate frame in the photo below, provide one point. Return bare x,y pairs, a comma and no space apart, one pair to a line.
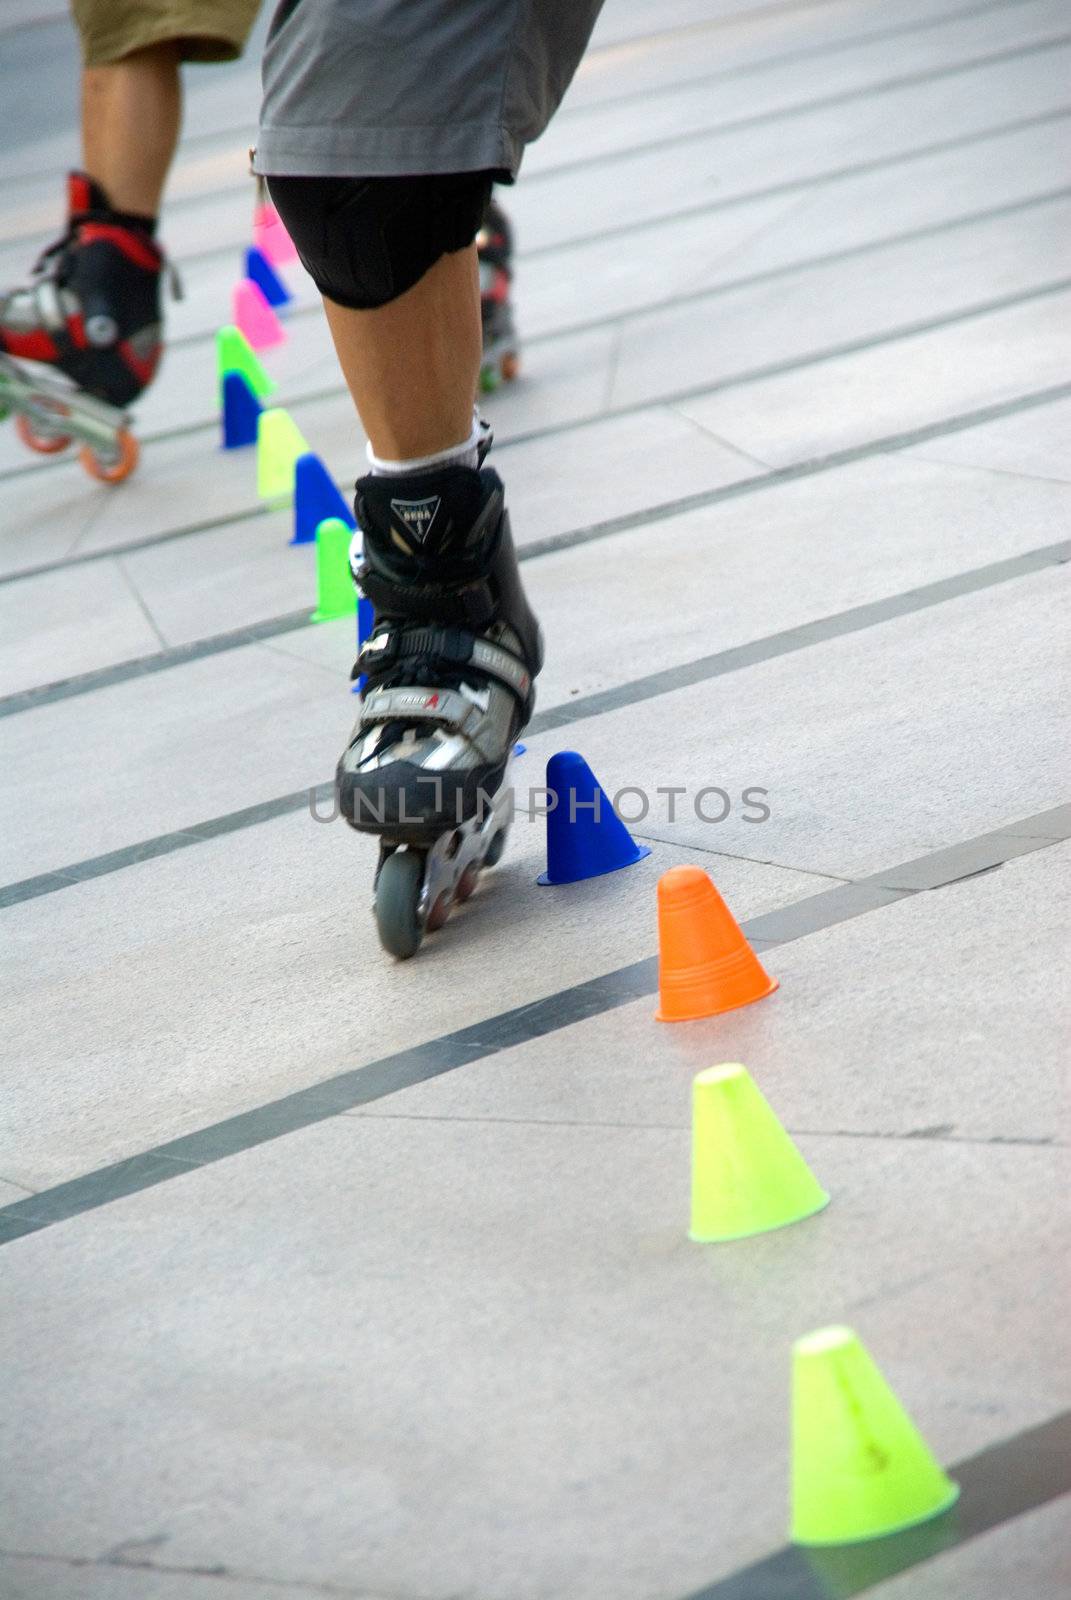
56,410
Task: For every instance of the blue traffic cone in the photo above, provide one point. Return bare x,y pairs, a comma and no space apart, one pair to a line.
315,499
585,836
259,270
241,408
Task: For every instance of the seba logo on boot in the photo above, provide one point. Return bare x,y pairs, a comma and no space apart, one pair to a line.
417,515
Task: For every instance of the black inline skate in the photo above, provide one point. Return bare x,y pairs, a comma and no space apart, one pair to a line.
89,321
501,351
448,673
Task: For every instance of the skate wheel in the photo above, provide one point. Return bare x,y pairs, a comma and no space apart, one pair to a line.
466,883
397,896
495,848
510,366
46,444
112,471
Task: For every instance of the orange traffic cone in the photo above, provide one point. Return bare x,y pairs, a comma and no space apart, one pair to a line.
705,965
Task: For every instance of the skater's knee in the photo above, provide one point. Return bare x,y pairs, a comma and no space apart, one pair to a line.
365,241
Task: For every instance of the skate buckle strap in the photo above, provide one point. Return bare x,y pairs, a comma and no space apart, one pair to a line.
445,649
447,708
471,604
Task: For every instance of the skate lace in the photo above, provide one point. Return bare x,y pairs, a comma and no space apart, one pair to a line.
50,263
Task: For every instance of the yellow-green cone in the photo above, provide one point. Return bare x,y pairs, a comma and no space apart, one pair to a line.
860,1467
747,1175
335,594
279,443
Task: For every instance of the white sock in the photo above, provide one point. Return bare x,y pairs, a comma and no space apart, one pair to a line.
466,454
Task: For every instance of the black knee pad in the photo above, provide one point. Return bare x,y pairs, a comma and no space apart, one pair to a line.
365,241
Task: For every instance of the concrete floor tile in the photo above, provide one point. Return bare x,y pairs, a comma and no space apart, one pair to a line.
52,627
736,163
457,1343
1025,1558
249,967
675,108
10,1192
749,329
759,39
443,1308
935,1019
44,1578
911,756
225,733
1036,444
196,746
890,391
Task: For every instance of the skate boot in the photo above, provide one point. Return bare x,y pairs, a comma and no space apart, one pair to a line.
448,686
90,316
494,247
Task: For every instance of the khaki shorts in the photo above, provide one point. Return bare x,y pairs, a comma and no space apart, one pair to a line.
206,30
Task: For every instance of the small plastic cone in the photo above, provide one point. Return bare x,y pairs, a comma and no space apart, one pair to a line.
270,237
335,594
860,1467
279,444
747,1175
585,836
316,498
259,270
241,412
234,353
254,317
705,965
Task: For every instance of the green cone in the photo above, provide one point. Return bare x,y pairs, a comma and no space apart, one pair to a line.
335,594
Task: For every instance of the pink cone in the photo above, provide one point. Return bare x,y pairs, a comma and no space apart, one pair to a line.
270,237
255,317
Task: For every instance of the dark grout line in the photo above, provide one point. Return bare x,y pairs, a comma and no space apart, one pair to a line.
786,642
701,669
536,1019
814,358
828,102
337,390
832,46
293,621
592,324
179,655
733,125
1003,1481
632,408
788,269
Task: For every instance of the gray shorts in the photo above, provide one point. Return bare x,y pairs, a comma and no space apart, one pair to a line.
383,88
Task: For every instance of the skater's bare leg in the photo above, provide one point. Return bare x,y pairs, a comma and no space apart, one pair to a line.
412,365
131,114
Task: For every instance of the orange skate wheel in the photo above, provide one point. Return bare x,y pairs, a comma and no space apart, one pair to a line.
46,444
112,471
510,366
